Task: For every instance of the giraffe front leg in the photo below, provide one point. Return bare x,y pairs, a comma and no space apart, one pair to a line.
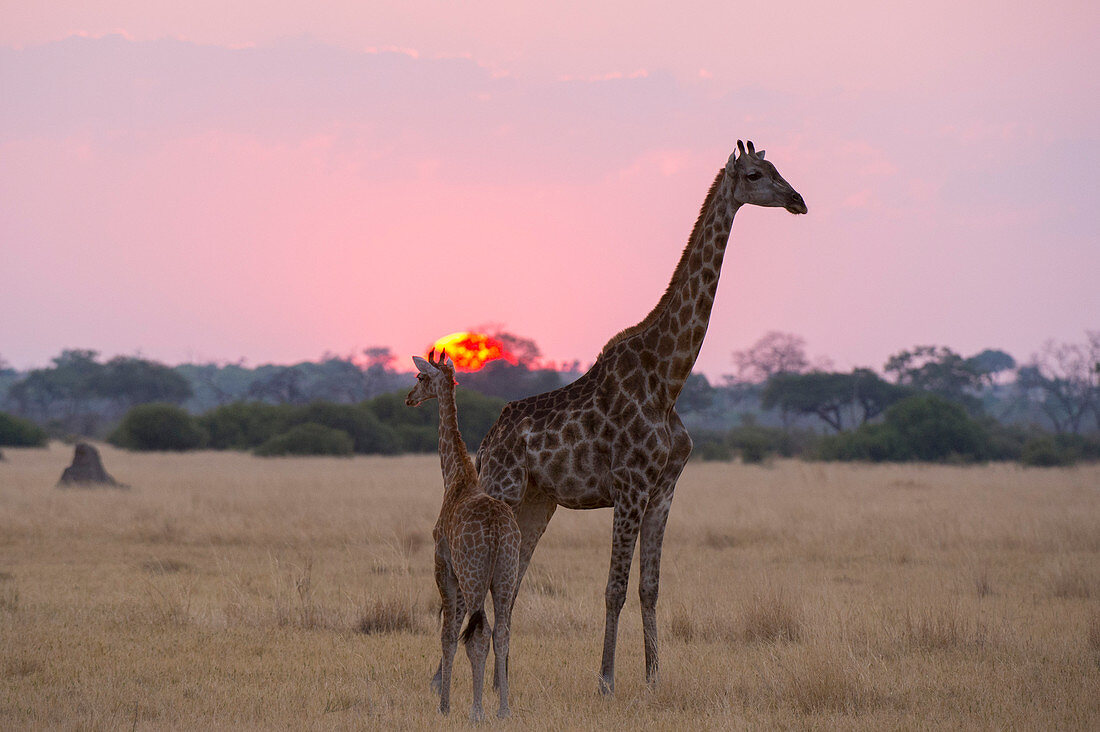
649,579
652,539
624,534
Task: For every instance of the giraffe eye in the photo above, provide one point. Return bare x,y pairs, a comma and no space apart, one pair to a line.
753,175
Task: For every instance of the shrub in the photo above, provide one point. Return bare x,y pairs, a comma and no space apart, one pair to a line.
711,445
923,427
1080,447
1005,441
244,425
308,439
19,432
369,435
1044,452
416,438
158,427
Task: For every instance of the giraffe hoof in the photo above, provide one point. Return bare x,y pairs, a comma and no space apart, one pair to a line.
607,686
504,713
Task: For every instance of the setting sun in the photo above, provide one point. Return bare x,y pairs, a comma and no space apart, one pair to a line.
471,351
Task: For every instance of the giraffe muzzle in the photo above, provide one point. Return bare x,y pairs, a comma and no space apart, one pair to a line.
797,205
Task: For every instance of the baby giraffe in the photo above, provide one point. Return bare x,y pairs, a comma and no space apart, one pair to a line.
476,547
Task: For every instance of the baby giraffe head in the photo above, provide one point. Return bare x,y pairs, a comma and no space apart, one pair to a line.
435,378
756,181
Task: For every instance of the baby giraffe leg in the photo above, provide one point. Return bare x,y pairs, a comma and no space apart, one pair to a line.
453,612
502,610
477,650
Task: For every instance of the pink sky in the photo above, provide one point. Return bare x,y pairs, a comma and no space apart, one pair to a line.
211,181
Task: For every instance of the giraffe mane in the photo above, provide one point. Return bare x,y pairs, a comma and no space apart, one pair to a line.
677,276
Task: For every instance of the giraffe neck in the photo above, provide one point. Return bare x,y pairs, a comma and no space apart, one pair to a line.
453,457
668,340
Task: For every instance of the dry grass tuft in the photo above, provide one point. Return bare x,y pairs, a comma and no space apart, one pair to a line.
1069,580
9,596
823,679
683,626
387,616
942,628
295,604
18,666
408,540
544,582
738,538
169,603
1092,635
771,616
164,566
982,577
768,616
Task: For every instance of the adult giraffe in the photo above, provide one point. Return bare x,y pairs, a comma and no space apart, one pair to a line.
612,438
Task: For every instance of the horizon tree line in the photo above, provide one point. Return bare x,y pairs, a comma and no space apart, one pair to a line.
1058,386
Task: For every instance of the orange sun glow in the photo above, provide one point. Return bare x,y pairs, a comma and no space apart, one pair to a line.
471,351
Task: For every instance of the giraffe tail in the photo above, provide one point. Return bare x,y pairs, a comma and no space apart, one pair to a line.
477,619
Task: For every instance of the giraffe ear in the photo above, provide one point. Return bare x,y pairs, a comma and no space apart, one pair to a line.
760,154
421,365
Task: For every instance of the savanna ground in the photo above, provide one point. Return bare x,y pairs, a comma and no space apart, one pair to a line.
225,590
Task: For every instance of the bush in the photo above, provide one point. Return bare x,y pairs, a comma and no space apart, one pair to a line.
417,438
924,427
752,442
1005,441
711,445
1044,452
19,432
158,427
368,434
244,425
308,439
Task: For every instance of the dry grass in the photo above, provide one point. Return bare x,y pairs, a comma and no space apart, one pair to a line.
229,591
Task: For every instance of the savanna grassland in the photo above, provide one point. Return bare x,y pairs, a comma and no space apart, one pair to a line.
224,590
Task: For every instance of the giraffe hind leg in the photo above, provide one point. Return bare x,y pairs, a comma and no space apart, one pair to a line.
477,650
505,583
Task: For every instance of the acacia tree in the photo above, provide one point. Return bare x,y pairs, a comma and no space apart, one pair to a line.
775,353
824,395
130,381
832,395
991,363
61,391
1063,379
937,370
278,385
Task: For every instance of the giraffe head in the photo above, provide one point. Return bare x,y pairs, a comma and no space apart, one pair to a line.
756,181
434,377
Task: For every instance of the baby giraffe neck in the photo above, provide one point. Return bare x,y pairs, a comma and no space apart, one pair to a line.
458,469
